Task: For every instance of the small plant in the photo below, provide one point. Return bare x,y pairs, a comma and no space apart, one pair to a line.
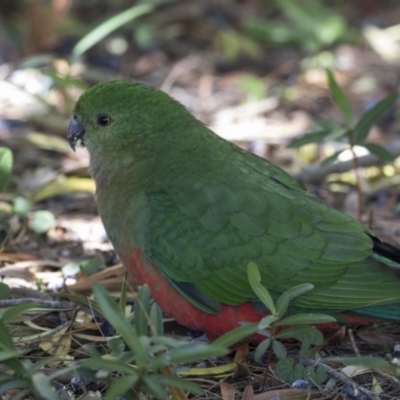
349,132
138,358
277,327
18,373
147,364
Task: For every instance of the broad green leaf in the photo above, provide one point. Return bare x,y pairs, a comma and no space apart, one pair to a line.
6,163
317,375
108,26
371,116
261,349
306,319
262,293
339,98
279,349
286,370
308,138
142,311
379,151
236,335
283,302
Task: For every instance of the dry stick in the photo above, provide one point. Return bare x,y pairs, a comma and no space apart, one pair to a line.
353,343
316,174
58,305
339,376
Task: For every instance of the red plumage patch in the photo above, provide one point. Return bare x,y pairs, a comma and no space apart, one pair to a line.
185,313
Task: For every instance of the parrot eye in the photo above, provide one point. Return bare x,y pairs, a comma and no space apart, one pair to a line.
104,120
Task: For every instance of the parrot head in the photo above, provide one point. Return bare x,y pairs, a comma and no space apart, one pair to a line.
117,115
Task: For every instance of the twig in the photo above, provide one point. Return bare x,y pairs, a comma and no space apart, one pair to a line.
63,305
315,174
353,343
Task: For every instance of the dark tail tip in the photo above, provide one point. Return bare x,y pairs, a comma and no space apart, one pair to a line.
386,250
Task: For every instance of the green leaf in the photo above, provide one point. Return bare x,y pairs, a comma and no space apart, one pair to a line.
236,335
156,321
339,98
13,383
279,349
310,137
316,375
109,365
142,310
16,310
306,319
21,206
44,387
296,332
10,354
108,26
286,370
6,162
179,383
41,221
262,293
371,116
120,386
152,386
261,349
267,322
5,293
379,151
192,353
283,302
117,319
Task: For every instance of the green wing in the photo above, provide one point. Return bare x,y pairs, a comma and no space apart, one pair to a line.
202,238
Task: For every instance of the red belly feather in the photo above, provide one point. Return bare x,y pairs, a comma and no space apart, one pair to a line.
186,314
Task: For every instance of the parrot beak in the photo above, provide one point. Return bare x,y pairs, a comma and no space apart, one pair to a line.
76,132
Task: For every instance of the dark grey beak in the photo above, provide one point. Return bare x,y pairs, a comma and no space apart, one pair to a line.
76,132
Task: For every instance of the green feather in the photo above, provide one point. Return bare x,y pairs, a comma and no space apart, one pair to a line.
202,209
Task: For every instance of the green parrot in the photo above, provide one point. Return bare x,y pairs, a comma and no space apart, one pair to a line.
187,211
